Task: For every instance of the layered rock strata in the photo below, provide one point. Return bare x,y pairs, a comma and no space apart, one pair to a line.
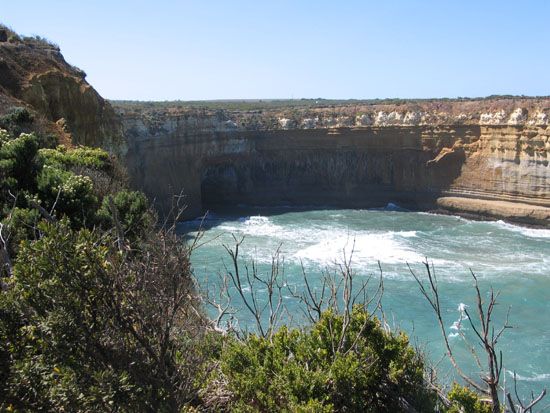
492,161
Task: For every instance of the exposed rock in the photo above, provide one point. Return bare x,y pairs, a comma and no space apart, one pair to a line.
453,154
33,73
539,118
330,122
511,211
287,123
381,119
496,118
518,117
412,118
395,118
309,123
230,125
344,122
364,119
356,167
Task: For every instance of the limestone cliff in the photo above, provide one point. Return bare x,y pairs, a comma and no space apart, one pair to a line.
33,73
486,157
428,155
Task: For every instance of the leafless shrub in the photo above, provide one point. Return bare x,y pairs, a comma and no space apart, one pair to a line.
155,300
339,290
487,337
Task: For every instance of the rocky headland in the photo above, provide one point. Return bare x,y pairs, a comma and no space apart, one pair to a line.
34,75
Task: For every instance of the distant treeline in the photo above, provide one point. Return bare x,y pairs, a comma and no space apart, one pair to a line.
256,104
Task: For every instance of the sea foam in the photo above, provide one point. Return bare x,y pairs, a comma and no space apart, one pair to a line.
363,248
535,377
528,232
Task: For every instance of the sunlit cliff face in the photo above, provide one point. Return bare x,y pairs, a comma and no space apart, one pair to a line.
434,156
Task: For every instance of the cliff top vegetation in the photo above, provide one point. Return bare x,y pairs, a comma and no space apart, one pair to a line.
320,103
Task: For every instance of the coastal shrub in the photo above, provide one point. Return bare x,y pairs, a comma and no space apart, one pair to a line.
86,328
63,157
464,400
19,225
18,167
47,140
133,213
40,41
28,172
69,194
299,370
16,120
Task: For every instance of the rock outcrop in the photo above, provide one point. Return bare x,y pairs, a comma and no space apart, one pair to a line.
34,74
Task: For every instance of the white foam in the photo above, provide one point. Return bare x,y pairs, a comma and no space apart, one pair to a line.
407,234
455,326
528,232
365,248
326,244
394,207
255,226
462,308
536,377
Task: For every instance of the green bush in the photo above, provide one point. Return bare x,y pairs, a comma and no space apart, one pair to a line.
18,167
16,120
84,328
69,194
20,225
62,157
133,212
301,370
56,318
26,172
465,400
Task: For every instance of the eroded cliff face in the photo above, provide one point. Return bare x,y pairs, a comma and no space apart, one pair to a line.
34,74
420,157
487,157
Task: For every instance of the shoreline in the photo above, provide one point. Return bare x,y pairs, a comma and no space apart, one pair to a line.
472,209
531,216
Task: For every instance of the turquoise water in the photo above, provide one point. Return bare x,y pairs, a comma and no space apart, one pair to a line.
513,260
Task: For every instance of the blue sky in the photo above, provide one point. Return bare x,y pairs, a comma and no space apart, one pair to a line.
209,49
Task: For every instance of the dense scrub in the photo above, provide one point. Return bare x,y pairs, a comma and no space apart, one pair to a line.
97,308
307,371
99,312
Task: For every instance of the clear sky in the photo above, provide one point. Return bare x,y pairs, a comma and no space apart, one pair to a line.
233,49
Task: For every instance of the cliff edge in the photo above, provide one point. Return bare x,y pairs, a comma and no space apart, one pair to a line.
34,74
481,157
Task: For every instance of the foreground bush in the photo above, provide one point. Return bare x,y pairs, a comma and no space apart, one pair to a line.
299,370
97,306
86,328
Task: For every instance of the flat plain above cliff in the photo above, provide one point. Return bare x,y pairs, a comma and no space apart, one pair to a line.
322,113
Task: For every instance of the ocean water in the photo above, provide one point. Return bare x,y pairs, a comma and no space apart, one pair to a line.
512,260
